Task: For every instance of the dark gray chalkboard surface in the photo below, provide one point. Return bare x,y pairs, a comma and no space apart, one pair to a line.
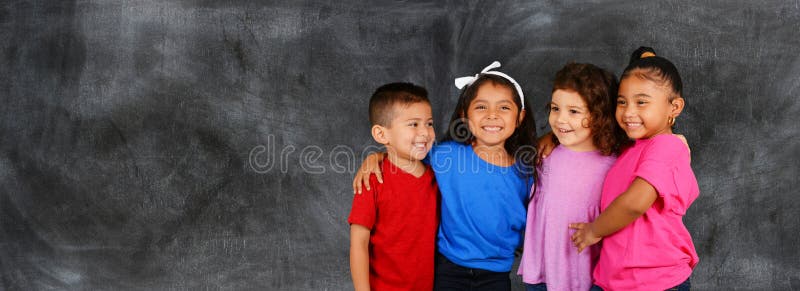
210,145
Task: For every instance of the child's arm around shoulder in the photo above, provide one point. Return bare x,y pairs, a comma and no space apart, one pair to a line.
545,145
626,208
663,152
371,165
685,142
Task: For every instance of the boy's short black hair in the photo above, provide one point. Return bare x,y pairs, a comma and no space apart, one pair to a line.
382,102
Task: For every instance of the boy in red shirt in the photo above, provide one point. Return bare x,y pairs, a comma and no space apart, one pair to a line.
393,224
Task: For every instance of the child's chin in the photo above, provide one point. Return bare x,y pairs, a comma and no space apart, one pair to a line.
419,155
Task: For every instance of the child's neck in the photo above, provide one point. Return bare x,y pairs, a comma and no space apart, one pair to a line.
665,131
494,154
413,167
581,148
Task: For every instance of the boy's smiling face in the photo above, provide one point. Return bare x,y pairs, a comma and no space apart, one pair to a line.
410,134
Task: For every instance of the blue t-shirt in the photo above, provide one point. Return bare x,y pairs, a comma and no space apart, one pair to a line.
482,208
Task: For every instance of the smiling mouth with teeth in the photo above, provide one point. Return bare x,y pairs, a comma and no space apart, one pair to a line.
420,146
492,128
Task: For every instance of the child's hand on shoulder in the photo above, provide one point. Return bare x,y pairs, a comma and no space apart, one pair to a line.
544,146
371,165
683,139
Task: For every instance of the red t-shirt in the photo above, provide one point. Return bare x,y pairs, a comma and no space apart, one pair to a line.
402,216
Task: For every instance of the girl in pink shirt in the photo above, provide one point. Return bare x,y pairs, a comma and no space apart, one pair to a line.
571,178
648,190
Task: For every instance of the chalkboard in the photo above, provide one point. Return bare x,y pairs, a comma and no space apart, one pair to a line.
210,145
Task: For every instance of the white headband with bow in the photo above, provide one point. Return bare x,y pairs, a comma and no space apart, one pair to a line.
466,81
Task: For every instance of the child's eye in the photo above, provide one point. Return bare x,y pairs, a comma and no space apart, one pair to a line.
480,107
621,102
573,111
641,102
429,124
554,108
412,124
505,107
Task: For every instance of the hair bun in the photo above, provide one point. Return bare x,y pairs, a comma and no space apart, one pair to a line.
641,53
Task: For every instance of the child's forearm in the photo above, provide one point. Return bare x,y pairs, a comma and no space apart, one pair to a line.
626,208
545,145
370,165
359,257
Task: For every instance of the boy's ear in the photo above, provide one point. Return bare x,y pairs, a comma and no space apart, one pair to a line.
380,134
677,106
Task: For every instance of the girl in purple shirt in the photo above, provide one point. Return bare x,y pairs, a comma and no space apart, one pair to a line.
571,178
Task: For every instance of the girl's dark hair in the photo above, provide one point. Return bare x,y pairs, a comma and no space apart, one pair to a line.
646,64
598,88
521,144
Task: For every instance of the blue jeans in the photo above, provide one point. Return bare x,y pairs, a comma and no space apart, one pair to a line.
449,276
685,286
536,287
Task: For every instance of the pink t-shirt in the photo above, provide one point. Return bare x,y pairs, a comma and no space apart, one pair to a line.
655,252
568,190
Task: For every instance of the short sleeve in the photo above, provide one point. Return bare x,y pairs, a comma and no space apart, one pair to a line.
665,165
365,205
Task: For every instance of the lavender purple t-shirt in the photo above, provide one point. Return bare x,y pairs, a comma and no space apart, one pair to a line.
568,190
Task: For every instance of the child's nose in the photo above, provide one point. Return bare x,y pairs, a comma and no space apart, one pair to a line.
561,117
629,110
422,131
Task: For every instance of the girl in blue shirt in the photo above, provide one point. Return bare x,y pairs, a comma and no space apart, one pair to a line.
484,167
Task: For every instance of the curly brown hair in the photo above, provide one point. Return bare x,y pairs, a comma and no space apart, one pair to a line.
598,88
